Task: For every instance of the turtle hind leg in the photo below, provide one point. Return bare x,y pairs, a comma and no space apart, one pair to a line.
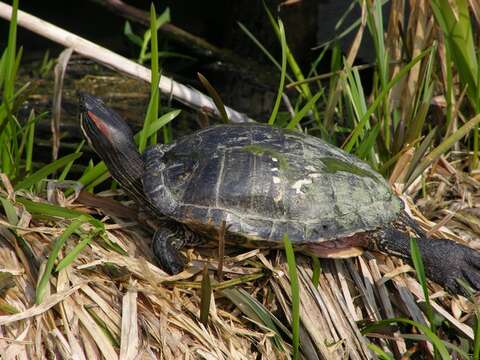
451,263
445,261
166,246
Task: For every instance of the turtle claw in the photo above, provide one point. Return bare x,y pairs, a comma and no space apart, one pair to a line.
473,278
451,265
167,254
473,258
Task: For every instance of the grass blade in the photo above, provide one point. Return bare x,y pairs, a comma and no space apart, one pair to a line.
48,210
67,168
380,353
9,75
304,111
215,97
295,68
292,272
476,340
45,278
159,123
10,211
455,24
419,268
155,70
72,255
380,98
442,148
128,32
92,174
152,111
283,42
205,296
45,171
255,311
429,334
316,270
263,49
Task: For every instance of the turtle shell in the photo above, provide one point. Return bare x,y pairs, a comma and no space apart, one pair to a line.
265,182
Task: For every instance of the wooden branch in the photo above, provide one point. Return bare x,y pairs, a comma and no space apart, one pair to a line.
186,95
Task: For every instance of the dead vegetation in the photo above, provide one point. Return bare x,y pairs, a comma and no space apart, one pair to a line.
113,305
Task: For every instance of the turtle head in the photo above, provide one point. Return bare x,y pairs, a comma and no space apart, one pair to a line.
104,129
112,139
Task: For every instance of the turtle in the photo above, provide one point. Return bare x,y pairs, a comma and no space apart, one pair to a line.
264,183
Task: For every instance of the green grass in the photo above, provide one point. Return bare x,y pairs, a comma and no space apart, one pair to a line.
283,70
420,270
8,123
152,111
317,269
476,341
439,345
45,171
460,47
292,272
43,283
256,311
380,353
149,39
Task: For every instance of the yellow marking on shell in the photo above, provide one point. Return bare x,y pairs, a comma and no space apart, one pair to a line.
297,186
278,196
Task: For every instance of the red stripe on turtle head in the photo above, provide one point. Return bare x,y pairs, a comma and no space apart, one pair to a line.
100,124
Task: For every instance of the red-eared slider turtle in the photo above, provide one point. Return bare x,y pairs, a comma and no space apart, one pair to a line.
265,182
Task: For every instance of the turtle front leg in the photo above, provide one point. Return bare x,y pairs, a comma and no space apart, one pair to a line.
166,246
445,261
167,242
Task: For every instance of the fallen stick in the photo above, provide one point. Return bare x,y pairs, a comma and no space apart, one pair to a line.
186,95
